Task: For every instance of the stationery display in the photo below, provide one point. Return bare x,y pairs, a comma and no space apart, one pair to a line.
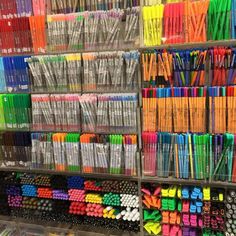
109,112
89,153
56,112
184,156
28,200
110,70
174,109
179,212
56,72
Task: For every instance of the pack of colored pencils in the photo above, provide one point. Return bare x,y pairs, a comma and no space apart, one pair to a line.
60,73
174,109
114,154
110,70
56,112
109,112
15,111
185,155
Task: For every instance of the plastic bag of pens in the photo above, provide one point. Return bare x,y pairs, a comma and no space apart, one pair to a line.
60,73
56,112
109,113
114,154
110,71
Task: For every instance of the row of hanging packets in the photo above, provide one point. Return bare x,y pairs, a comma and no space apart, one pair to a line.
65,31
114,154
56,72
56,151
14,74
110,70
56,112
90,30
109,112
65,6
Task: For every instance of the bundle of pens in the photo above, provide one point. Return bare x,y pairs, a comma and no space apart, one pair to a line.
38,33
70,6
195,20
152,24
218,109
173,16
15,36
15,149
57,151
195,156
65,31
56,72
15,111
105,30
57,112
223,66
109,112
110,70
183,22
178,68
174,109
219,20
114,154
14,74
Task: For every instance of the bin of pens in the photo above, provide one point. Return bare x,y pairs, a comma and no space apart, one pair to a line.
114,154
8,228
30,229
59,232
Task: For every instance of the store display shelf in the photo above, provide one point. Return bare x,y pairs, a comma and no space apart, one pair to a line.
72,173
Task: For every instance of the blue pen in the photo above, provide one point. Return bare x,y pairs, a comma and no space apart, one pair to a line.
2,76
